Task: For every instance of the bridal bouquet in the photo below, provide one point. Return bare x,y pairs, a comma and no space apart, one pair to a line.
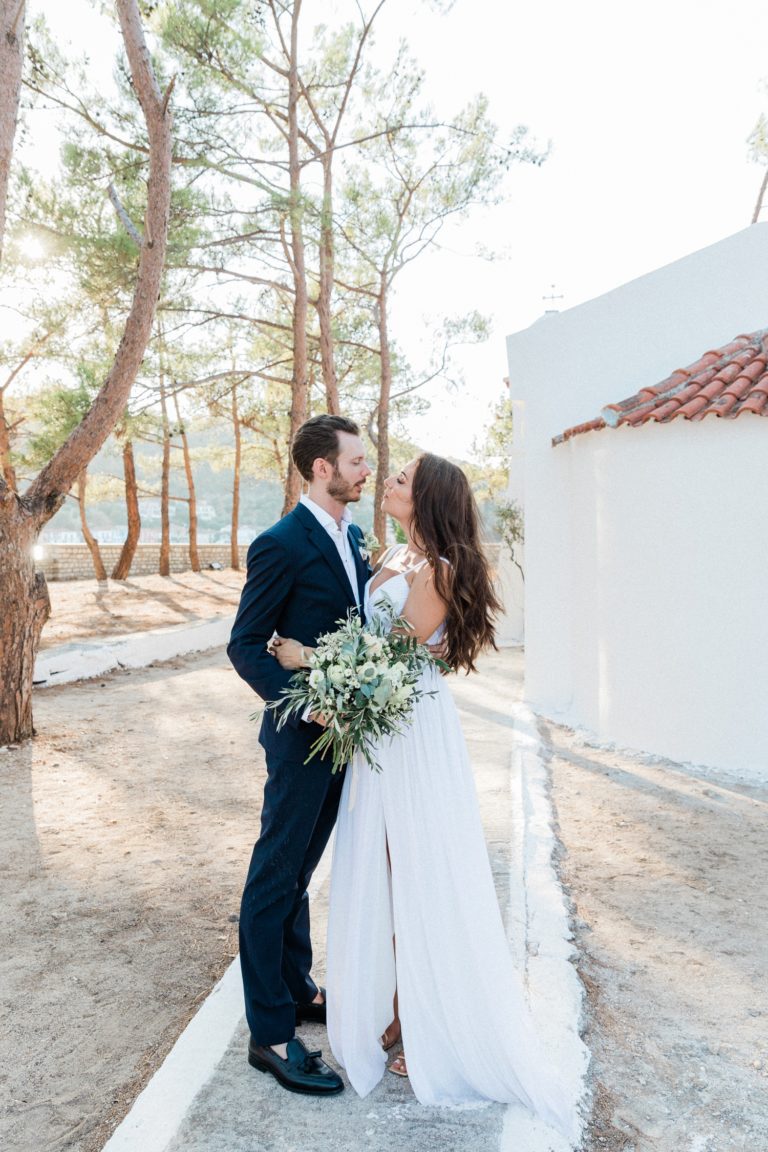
363,680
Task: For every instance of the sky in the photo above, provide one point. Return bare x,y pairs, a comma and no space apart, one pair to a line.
647,109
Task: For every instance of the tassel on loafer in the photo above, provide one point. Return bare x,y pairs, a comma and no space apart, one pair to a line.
302,1071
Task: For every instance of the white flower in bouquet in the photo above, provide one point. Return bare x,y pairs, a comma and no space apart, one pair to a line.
364,681
374,645
382,693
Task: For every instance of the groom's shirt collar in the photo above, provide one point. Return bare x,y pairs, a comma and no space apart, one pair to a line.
324,517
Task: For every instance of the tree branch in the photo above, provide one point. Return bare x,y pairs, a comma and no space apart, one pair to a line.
29,356
123,216
250,279
81,110
17,17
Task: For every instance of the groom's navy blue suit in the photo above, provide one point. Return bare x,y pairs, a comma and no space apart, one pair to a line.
296,586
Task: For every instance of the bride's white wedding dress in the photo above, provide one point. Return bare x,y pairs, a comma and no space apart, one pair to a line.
467,1032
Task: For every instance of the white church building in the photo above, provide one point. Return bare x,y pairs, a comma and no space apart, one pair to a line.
640,458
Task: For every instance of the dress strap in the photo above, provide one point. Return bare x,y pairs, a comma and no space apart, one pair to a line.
387,556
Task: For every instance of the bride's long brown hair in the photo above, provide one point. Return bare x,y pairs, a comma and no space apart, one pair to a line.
445,522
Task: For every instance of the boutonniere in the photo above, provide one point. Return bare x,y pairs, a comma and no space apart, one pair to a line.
369,545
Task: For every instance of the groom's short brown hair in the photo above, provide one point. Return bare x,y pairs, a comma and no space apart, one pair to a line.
318,438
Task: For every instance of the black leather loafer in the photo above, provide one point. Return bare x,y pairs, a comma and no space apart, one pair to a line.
312,1013
302,1071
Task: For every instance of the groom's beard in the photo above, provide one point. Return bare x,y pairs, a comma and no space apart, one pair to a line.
341,490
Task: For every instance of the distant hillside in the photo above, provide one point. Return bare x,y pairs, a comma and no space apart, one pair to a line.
260,499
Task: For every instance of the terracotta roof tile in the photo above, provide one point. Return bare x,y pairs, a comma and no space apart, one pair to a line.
756,404
723,382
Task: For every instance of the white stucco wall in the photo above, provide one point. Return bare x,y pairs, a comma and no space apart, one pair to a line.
668,620
511,590
562,371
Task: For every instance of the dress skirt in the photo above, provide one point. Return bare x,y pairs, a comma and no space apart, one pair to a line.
428,926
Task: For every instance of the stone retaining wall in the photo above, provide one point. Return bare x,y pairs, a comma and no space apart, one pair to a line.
73,561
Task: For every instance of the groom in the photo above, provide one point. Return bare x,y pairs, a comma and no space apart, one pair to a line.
303,574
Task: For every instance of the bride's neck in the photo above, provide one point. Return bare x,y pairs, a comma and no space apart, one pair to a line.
412,549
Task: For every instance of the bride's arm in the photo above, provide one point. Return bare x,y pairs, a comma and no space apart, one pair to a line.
424,609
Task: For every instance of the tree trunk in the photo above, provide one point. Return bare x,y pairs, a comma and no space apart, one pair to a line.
165,478
234,551
299,388
25,609
24,605
12,16
382,417
123,567
9,474
194,555
48,491
760,198
326,290
93,545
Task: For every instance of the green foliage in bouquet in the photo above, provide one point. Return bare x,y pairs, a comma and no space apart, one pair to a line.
364,680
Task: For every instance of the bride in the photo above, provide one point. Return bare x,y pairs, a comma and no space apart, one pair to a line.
414,922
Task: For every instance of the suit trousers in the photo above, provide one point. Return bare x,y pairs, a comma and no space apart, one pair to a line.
300,806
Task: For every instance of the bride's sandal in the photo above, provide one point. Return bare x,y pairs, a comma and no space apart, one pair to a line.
390,1036
398,1066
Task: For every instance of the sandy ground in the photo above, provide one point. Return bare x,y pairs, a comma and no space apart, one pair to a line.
127,825
666,870
84,609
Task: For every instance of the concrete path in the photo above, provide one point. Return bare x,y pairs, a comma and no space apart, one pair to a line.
82,659
205,1098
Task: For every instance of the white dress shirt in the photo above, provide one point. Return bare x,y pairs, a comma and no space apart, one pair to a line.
339,537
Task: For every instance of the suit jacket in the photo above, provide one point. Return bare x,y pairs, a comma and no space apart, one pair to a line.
296,586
